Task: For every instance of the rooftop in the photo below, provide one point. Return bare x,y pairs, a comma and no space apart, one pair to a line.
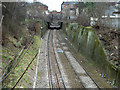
69,3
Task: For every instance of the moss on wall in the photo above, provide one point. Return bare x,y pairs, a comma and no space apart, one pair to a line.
87,42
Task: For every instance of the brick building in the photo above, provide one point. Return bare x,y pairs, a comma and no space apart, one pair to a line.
37,9
69,10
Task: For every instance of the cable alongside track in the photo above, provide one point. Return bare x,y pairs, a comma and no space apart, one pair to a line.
16,61
54,69
54,73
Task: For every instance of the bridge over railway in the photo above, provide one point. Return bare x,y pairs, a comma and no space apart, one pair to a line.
54,25
57,50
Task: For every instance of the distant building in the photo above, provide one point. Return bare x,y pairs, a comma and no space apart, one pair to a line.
43,7
112,16
69,10
56,15
113,11
117,12
54,12
39,9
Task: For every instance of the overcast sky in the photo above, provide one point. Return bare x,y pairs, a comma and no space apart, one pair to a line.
56,4
52,4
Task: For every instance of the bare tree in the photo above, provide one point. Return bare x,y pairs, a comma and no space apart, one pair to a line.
83,19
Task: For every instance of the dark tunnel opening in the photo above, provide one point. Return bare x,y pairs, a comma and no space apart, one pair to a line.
55,27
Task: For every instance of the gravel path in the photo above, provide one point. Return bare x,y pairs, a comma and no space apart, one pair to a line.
42,76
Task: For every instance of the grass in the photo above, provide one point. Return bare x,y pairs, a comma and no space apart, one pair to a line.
25,81
12,39
18,44
7,55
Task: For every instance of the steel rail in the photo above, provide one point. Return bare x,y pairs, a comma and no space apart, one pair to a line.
57,62
29,44
27,66
49,64
17,55
14,58
81,65
15,65
24,71
85,70
70,64
51,39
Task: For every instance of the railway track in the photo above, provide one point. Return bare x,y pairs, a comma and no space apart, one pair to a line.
81,73
55,77
54,73
16,61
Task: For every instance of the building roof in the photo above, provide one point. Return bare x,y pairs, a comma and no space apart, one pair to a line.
69,3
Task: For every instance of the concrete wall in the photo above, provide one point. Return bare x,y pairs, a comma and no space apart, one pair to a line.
86,41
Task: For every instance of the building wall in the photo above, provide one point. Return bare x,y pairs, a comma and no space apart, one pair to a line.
111,22
69,10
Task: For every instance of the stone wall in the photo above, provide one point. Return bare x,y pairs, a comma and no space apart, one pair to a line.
87,42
